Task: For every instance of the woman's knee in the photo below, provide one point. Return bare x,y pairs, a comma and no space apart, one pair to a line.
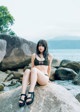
27,71
34,69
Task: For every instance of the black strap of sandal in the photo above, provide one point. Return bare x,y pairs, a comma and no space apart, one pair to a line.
32,95
31,92
21,100
23,94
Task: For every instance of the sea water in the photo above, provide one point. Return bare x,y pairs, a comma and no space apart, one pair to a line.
69,54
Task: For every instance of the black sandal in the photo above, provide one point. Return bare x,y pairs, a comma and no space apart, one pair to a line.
31,97
23,101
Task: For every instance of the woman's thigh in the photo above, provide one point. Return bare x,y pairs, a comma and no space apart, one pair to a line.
42,79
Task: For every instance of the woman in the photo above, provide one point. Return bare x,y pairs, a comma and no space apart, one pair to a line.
39,72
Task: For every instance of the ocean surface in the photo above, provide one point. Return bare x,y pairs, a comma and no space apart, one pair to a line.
70,54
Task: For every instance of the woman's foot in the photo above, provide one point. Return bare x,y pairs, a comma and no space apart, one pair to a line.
22,100
30,98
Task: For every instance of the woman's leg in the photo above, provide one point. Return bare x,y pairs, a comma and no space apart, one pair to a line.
25,82
37,76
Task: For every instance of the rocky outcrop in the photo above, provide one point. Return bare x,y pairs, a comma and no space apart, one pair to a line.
64,74
13,75
63,63
72,65
18,52
49,98
67,70
3,75
3,45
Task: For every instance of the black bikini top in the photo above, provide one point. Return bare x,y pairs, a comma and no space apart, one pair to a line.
44,62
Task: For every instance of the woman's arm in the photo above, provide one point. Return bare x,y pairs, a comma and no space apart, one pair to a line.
49,66
32,60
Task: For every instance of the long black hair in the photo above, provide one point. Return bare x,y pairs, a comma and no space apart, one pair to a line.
43,43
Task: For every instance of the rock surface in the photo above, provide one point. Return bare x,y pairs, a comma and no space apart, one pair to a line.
3,45
3,75
65,74
72,65
18,52
76,80
78,97
1,87
49,98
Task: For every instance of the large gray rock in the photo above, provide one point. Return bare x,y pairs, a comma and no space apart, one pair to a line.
3,45
18,52
64,62
3,75
49,98
65,74
72,65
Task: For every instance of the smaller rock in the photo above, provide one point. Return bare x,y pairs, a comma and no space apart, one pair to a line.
64,74
10,83
63,63
3,75
1,87
73,65
76,80
78,97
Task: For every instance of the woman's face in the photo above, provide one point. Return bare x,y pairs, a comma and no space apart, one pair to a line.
41,48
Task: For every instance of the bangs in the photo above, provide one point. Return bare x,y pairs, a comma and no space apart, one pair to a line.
40,44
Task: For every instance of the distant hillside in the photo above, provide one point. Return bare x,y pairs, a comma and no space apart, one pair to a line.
64,44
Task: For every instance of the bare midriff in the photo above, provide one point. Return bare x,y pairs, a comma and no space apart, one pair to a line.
42,68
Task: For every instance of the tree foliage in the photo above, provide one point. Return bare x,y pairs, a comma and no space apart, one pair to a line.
6,20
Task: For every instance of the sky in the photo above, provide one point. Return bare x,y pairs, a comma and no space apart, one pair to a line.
44,19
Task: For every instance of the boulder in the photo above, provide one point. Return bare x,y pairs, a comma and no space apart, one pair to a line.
64,74
3,45
76,80
64,62
73,65
1,87
49,98
3,75
10,83
18,52
78,97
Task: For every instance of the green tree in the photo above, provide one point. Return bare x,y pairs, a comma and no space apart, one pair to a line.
6,20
